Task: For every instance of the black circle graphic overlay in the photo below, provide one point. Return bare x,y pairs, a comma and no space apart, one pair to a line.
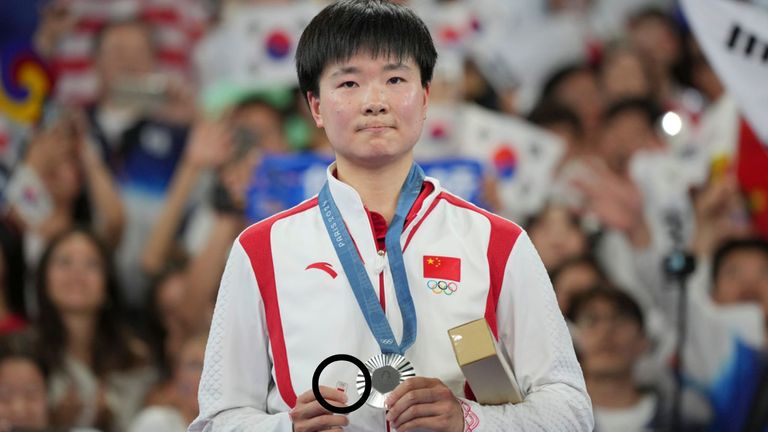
316,383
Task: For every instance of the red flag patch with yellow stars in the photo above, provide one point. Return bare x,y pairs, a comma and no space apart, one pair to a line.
442,267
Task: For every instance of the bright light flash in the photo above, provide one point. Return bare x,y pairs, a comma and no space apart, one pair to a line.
671,123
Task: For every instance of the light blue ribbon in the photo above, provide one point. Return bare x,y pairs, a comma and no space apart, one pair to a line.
358,276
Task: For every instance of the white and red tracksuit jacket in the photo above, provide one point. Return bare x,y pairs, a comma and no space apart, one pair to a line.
285,304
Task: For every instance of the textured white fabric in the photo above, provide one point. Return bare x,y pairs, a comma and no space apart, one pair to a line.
241,388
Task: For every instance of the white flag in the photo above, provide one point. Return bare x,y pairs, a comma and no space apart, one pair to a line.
522,156
453,26
734,37
264,41
440,133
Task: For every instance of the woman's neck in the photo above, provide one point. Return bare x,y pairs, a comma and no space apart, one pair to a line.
379,188
81,331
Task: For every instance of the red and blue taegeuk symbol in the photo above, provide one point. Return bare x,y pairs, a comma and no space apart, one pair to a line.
25,83
505,161
278,44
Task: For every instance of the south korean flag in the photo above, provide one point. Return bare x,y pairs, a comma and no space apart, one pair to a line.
734,37
522,157
264,40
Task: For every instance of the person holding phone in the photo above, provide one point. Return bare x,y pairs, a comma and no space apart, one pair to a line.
382,262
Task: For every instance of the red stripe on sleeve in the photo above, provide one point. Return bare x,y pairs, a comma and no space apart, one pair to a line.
504,234
257,243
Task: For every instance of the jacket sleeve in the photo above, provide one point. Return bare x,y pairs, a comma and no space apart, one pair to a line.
535,340
236,374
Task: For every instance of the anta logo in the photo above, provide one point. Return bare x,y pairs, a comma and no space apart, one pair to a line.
443,273
324,266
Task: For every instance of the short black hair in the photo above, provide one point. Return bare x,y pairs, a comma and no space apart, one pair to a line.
649,109
623,302
348,27
752,244
550,112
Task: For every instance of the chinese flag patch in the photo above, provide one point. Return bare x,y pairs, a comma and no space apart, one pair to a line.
441,267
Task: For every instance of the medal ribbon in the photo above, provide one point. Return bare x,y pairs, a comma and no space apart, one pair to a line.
357,274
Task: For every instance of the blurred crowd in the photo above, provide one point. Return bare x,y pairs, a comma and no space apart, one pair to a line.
121,198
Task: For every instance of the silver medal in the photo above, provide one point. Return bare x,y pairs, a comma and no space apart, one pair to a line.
387,372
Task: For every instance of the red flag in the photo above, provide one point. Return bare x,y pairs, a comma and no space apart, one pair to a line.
441,267
752,171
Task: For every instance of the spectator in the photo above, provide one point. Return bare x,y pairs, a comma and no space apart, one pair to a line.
576,87
625,73
70,183
182,408
23,400
611,339
212,147
99,372
564,123
575,276
740,273
656,36
140,121
165,327
185,291
629,125
725,347
557,234
256,118
130,88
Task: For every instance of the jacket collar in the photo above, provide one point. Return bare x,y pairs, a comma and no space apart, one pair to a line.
356,218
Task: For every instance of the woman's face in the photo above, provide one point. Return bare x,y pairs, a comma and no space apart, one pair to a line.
76,280
624,76
556,237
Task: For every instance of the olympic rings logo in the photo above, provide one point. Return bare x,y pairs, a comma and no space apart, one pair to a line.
441,286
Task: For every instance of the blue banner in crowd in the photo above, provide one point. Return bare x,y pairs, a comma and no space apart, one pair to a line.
150,153
283,181
460,176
